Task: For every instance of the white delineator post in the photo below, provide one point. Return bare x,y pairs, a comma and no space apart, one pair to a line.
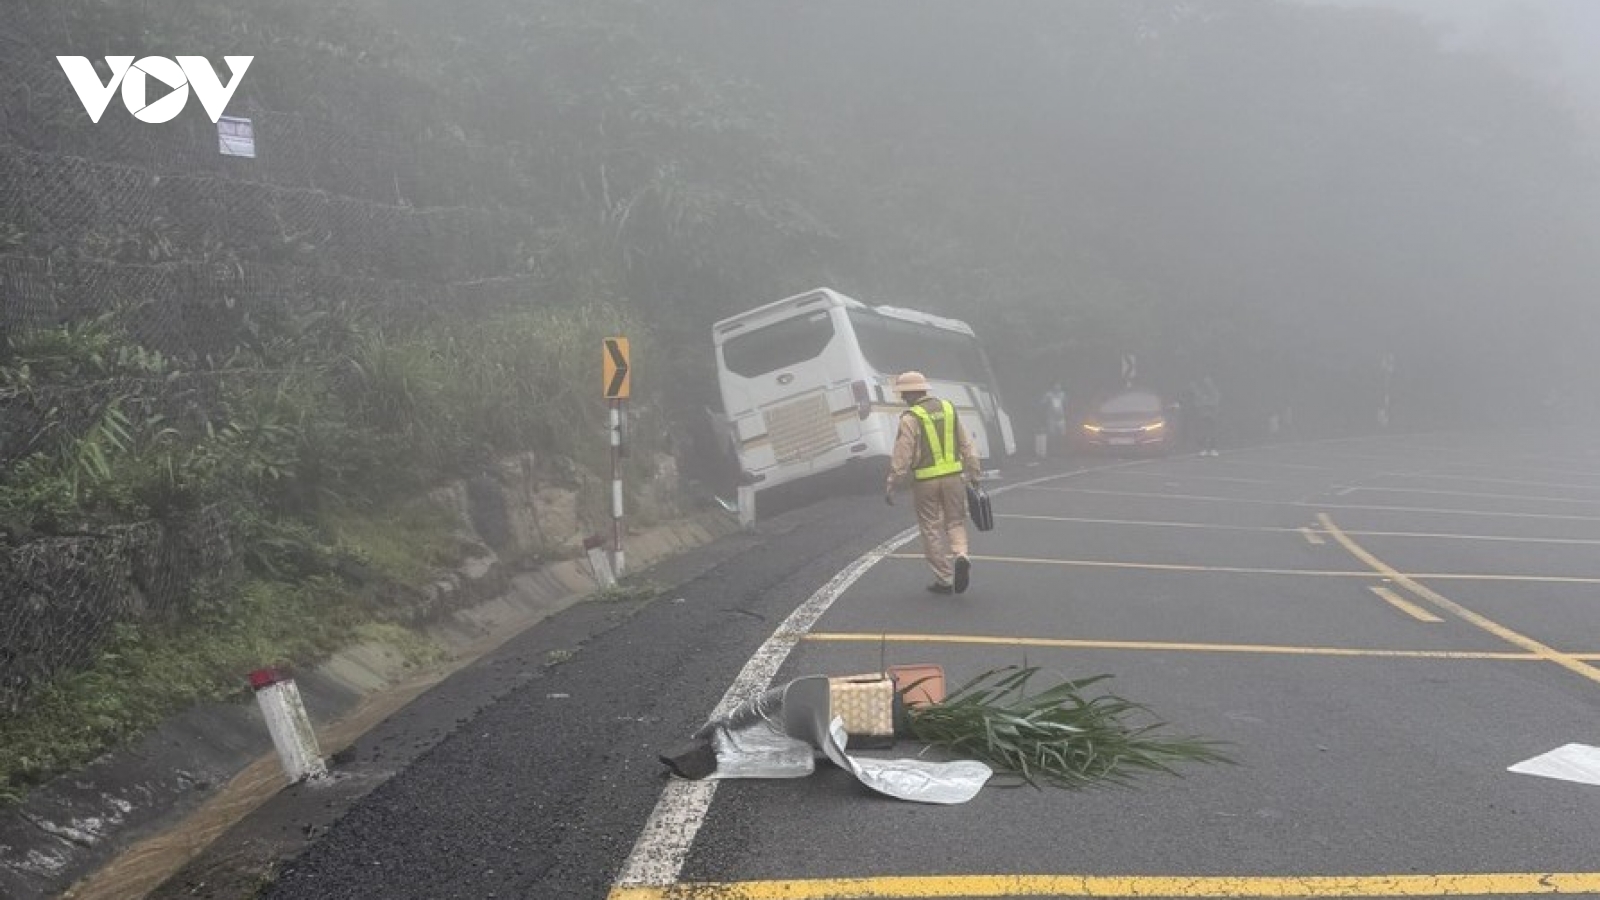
594,548
618,569
289,725
747,506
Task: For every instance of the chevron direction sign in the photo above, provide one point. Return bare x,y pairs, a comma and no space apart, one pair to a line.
616,371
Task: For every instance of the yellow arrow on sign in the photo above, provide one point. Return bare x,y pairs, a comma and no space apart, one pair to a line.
617,374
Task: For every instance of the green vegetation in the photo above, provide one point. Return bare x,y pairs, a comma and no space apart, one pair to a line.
320,446
626,591
1058,736
307,423
146,673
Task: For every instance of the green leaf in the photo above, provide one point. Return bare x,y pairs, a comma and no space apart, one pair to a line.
1056,736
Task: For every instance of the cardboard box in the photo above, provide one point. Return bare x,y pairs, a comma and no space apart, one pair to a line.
919,683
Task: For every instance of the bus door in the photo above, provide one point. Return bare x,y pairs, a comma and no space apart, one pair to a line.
970,409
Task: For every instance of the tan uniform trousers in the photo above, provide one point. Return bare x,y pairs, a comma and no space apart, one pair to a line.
942,518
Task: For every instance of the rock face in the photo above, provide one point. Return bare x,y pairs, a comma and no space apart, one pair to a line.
522,511
61,596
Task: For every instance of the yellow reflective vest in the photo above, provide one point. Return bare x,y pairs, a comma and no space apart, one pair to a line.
946,460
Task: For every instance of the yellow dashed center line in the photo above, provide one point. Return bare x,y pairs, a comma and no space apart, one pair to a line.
1168,646
1154,567
1404,605
1260,529
1245,570
1410,583
1209,498
1486,884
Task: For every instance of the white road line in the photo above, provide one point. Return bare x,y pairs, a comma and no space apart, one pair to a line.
1188,476
663,846
1311,536
1270,464
1434,475
1363,489
1159,496
1580,468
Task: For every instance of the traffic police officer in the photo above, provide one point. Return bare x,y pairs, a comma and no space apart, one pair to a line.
934,448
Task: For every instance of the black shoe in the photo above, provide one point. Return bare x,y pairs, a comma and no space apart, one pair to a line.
939,587
963,574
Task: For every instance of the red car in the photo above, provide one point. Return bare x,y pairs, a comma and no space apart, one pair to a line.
1133,421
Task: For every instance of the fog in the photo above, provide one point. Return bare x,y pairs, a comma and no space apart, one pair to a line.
1318,202
1552,40
392,266
1283,194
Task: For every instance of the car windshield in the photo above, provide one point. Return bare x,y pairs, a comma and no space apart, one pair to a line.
1137,403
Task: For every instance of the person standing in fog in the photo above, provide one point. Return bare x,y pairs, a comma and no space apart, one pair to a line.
1207,403
1055,416
935,450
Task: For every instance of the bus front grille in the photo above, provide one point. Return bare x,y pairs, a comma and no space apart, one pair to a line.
801,429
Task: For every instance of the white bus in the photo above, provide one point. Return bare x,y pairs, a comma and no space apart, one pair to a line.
807,383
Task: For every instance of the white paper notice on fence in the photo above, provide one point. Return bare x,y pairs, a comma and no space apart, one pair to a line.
1573,762
236,137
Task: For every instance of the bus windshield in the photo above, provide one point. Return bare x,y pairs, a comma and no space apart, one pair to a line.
895,345
779,345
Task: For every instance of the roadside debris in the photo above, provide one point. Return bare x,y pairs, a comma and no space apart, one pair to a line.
777,735
992,724
1059,736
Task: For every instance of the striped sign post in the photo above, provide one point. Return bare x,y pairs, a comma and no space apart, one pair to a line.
617,383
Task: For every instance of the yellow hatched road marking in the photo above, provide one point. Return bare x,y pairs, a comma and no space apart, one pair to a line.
1404,605
1543,651
912,887
1244,570
1168,646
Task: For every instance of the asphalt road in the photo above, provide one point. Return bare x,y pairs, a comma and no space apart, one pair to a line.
1378,627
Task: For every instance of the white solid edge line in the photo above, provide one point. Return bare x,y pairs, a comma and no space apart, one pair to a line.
663,846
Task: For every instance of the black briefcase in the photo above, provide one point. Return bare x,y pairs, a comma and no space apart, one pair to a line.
978,507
